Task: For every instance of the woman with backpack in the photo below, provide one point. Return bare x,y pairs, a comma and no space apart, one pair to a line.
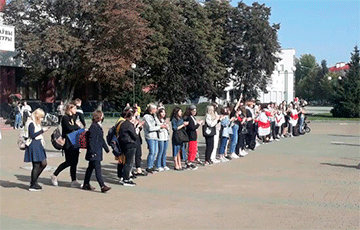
35,151
71,153
94,153
127,140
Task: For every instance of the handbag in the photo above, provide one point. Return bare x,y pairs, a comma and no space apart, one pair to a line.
181,136
74,137
21,142
208,131
83,140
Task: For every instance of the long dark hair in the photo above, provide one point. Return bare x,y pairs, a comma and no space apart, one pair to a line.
175,113
160,111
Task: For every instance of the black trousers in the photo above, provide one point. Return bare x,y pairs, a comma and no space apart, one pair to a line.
129,161
240,144
209,147
138,154
97,166
71,159
273,130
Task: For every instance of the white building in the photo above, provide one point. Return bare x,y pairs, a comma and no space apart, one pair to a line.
282,79
281,86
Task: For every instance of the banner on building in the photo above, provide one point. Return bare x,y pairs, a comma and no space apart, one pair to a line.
7,38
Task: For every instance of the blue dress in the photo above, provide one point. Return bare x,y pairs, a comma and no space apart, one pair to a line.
35,152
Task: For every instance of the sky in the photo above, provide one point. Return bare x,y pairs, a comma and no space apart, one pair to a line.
329,30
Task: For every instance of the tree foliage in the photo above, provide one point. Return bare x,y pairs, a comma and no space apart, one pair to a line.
77,41
251,48
346,96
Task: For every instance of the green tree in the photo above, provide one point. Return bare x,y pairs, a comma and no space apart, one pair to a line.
307,77
346,97
251,48
78,41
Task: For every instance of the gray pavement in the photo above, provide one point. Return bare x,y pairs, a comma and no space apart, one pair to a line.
306,182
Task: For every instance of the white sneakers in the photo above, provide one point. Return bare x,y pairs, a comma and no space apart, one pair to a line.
161,169
54,180
243,153
234,156
166,168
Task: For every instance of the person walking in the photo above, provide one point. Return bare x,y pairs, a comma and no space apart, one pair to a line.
94,153
79,112
71,153
34,150
17,111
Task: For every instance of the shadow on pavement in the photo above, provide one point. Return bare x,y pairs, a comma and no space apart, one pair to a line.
9,184
342,165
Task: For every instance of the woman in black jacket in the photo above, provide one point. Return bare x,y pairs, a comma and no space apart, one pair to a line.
71,153
127,140
94,153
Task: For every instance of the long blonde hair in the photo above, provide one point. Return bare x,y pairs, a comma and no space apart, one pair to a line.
211,111
36,115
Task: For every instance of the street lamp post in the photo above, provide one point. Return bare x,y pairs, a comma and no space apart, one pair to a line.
133,66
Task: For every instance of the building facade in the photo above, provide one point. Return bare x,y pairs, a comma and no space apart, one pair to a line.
282,79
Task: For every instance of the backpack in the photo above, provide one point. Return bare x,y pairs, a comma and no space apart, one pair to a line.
112,140
57,140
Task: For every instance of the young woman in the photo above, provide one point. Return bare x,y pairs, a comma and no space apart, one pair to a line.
279,123
293,120
241,119
263,124
151,128
225,134
191,130
163,142
216,137
94,152
178,148
138,127
34,151
127,140
211,120
71,153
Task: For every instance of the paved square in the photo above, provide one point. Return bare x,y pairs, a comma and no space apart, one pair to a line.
306,182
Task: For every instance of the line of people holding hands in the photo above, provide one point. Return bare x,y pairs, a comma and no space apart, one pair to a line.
228,134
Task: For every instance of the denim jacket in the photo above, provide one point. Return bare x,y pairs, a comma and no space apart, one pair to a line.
225,126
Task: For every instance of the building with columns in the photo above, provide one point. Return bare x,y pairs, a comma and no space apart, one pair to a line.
282,79
281,86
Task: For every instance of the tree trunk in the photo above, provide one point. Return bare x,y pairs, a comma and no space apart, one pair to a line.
100,99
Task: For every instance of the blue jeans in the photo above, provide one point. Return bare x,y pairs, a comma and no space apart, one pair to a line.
234,138
301,125
17,121
223,145
161,157
176,149
153,146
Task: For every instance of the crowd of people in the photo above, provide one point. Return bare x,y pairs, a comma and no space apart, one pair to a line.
229,131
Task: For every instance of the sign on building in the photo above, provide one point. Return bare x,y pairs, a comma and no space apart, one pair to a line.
7,38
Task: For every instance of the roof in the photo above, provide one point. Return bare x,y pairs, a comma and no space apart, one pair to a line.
334,69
